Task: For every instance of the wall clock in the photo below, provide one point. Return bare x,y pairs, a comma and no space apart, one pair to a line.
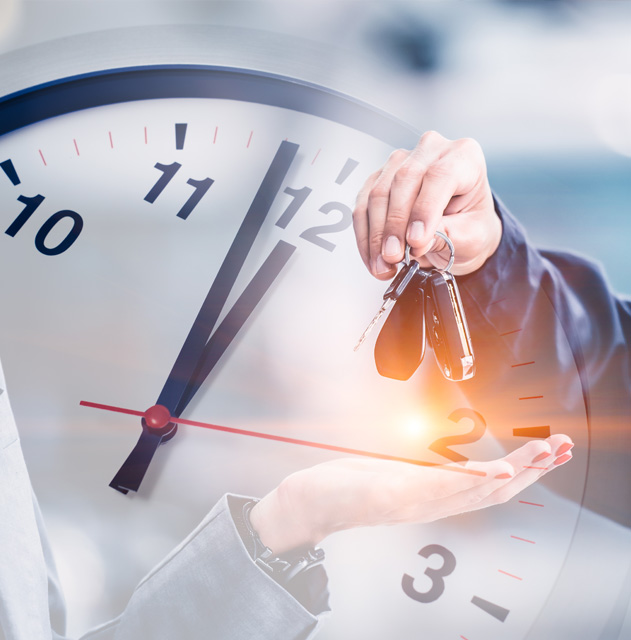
130,161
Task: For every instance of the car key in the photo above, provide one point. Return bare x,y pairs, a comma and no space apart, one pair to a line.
398,285
400,345
447,328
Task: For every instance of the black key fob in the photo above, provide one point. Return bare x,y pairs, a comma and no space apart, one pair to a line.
400,346
447,327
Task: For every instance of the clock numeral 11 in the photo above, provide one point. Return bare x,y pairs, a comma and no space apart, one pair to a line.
168,171
31,205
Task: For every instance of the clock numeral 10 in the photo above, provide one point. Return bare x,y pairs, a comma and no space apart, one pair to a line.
31,205
168,171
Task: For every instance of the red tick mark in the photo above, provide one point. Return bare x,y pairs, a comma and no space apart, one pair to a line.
509,574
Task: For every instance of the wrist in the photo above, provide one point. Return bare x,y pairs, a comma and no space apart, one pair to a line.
282,523
289,569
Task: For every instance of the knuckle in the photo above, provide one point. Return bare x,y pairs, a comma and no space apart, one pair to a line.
379,193
397,219
375,241
469,145
441,170
398,155
431,137
409,172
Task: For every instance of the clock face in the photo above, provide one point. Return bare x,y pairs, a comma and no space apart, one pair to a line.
121,194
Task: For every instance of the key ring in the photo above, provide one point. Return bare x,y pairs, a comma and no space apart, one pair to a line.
450,244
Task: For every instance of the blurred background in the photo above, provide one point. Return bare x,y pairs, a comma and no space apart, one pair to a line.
543,85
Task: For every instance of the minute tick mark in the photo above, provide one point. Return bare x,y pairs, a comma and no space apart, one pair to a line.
180,134
9,169
489,607
346,171
542,431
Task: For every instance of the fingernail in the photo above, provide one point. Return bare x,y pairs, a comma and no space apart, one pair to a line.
563,459
541,456
381,266
416,231
564,448
503,476
393,246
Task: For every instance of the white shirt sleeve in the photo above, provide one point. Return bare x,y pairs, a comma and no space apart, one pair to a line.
208,587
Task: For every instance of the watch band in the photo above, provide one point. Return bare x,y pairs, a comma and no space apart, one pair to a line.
282,568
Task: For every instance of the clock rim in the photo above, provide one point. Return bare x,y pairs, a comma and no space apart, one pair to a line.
148,82
313,70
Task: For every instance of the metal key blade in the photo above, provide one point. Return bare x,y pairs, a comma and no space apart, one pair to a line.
387,303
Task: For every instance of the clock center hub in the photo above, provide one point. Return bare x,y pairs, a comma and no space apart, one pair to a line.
157,417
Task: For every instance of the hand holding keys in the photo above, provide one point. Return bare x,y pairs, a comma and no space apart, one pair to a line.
423,302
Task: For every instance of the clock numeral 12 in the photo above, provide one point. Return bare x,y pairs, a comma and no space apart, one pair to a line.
31,205
314,234
168,171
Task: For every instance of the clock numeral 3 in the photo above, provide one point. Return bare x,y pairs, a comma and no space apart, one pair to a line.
31,205
435,575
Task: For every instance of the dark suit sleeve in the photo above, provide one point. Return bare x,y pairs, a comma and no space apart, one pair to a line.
560,306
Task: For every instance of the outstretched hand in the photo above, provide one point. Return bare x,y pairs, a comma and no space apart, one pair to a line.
343,494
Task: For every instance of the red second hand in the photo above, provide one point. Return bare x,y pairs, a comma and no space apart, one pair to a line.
267,436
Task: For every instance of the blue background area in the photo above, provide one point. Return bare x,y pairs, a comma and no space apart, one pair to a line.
577,204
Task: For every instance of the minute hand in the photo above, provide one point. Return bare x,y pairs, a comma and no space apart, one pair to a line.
189,359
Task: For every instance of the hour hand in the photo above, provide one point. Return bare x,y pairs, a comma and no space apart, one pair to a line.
156,426
185,371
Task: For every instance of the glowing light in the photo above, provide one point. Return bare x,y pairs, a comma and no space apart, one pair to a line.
415,427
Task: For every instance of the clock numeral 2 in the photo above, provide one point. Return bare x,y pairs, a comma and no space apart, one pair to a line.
31,205
441,446
314,234
168,171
